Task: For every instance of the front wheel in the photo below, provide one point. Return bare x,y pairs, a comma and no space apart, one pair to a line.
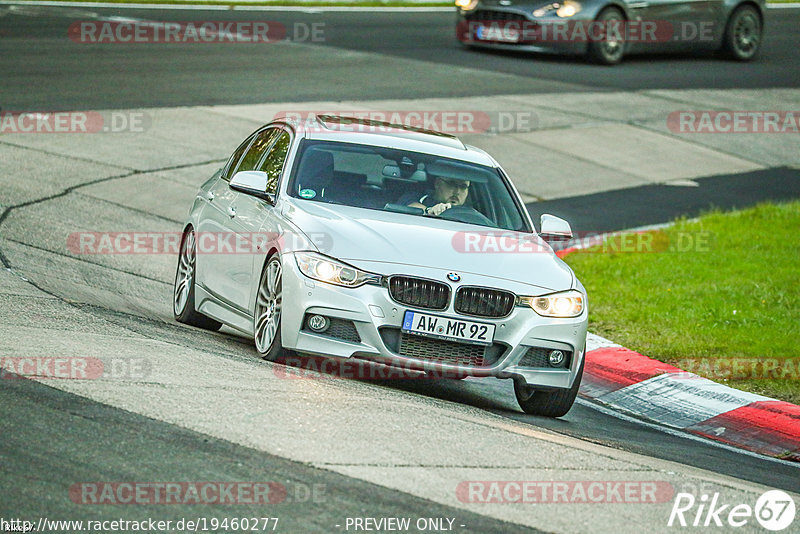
607,47
267,314
551,403
743,34
183,291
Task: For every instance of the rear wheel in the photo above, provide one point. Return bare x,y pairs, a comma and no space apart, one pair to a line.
547,403
183,292
607,47
267,316
743,34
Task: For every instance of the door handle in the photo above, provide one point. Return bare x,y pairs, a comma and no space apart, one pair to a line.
209,196
232,212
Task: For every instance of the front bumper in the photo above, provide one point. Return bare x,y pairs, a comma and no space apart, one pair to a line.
536,35
378,318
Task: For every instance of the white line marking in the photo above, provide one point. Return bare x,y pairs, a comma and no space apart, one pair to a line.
672,432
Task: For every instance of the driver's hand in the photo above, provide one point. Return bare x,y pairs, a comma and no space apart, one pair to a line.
438,209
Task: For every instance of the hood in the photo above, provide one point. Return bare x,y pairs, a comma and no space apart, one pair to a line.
373,238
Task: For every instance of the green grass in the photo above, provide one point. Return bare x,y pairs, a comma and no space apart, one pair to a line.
737,295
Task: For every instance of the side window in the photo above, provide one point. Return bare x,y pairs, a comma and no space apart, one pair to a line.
273,164
257,149
237,155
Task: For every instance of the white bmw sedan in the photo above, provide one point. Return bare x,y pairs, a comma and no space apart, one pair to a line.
355,239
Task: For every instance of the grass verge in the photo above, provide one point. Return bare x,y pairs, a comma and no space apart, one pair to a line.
719,296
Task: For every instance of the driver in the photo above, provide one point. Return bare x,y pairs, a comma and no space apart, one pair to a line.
447,192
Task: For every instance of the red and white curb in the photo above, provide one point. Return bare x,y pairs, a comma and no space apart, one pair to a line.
632,383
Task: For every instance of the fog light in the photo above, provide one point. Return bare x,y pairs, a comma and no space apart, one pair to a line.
556,358
318,323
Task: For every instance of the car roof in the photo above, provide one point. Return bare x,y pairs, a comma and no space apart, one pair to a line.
378,133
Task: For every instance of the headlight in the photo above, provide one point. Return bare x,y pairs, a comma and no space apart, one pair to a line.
565,304
331,271
562,9
467,5
568,9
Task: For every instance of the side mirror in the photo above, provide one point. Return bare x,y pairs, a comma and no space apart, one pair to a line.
554,228
252,183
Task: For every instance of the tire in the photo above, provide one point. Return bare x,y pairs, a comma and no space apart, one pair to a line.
183,289
742,39
267,312
550,403
604,51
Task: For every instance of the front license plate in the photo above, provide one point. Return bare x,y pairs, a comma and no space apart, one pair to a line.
448,328
498,33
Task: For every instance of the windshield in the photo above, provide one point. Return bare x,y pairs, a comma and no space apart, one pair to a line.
413,183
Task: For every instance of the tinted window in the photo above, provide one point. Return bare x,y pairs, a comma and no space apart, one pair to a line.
273,164
237,155
259,147
396,180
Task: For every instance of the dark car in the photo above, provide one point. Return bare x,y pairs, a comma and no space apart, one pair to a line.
605,30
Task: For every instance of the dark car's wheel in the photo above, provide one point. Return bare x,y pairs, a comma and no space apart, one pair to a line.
183,292
743,32
267,316
547,403
608,44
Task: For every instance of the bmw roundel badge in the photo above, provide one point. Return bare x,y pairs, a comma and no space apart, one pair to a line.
453,277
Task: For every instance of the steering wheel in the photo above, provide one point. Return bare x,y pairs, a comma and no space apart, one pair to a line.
466,214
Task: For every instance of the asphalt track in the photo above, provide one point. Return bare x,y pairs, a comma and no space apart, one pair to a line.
57,438
647,205
69,75
48,431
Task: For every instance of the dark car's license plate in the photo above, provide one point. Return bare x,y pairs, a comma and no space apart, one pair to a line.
498,33
448,328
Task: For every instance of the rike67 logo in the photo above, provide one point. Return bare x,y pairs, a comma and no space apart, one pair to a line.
774,510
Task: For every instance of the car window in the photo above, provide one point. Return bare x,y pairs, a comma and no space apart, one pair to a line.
390,179
236,157
257,149
273,163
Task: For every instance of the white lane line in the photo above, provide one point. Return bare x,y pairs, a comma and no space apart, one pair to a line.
678,433
200,7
